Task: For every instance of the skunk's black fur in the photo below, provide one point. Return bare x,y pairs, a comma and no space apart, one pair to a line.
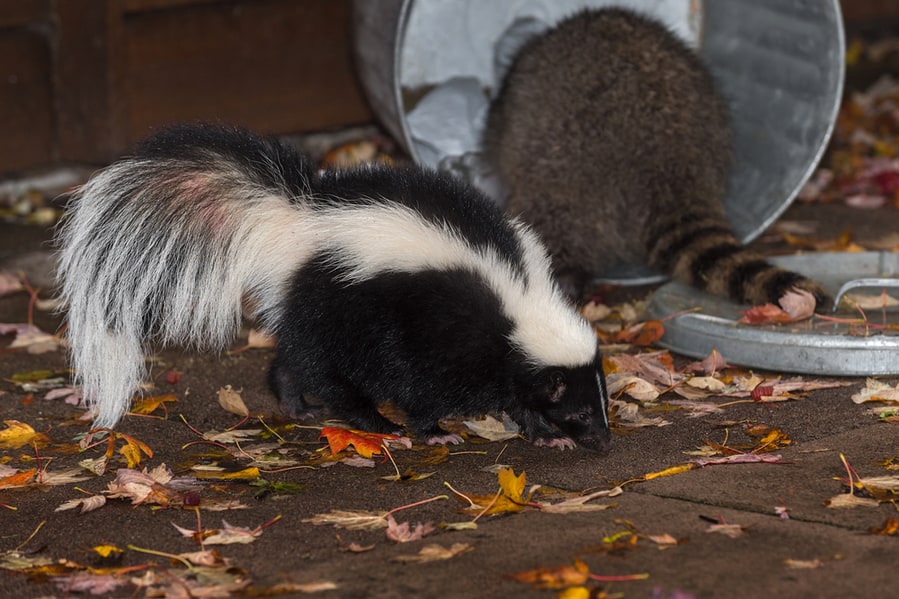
382,285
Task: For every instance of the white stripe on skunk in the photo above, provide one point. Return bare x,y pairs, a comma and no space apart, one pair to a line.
167,246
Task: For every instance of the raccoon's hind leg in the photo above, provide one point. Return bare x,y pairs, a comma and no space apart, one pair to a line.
702,250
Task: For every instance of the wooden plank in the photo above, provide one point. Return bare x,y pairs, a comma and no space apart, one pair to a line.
90,103
26,106
870,11
133,6
277,66
16,13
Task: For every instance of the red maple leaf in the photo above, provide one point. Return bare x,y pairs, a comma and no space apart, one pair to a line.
366,444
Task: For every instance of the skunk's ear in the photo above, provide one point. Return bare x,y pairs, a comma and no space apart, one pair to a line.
558,386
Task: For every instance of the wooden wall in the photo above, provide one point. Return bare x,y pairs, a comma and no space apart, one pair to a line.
80,80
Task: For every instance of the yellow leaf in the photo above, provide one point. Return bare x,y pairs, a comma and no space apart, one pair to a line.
512,486
148,405
107,550
245,474
132,455
18,434
669,471
575,593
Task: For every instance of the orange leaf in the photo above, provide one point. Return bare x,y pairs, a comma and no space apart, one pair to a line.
890,527
148,405
18,479
555,578
642,333
765,314
366,444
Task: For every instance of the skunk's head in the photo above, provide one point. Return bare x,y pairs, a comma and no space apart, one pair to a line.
575,401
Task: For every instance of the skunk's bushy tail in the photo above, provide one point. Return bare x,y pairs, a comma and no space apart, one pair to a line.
166,245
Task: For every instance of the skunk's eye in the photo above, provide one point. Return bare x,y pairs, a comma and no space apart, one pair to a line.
584,417
557,378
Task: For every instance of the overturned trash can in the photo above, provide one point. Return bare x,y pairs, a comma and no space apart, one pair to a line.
429,68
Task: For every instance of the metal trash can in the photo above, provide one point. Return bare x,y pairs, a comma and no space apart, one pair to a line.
428,67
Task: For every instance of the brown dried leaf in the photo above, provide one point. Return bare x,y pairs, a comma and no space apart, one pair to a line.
231,401
351,520
87,504
433,553
731,530
403,532
494,430
849,500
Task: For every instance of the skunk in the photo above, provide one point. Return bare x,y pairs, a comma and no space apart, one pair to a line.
381,284
615,145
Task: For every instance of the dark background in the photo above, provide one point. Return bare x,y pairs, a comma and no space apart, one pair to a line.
80,80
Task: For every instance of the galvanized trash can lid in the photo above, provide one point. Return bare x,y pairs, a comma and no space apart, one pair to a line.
861,342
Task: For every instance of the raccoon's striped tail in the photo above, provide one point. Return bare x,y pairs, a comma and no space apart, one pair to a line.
701,249
164,246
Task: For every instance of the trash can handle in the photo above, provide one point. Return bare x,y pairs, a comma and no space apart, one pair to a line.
863,283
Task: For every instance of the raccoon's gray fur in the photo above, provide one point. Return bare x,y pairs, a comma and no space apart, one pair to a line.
614,144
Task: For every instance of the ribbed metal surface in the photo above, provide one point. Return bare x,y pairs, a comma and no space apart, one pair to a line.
778,62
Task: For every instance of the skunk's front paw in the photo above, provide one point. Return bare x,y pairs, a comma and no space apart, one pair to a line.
445,439
562,443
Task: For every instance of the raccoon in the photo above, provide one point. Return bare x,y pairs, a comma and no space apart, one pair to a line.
613,142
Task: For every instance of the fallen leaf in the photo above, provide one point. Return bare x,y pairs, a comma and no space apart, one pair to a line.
143,486
559,577
18,434
639,389
28,336
409,475
669,471
403,532
86,582
232,436
803,564
629,415
106,550
231,401
849,500
889,528
579,503
226,535
494,430
433,553
741,458
9,283
765,314
148,405
350,520
251,473
18,479
713,363
709,383
366,444
881,488
731,530
87,504
877,391
665,540
642,334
